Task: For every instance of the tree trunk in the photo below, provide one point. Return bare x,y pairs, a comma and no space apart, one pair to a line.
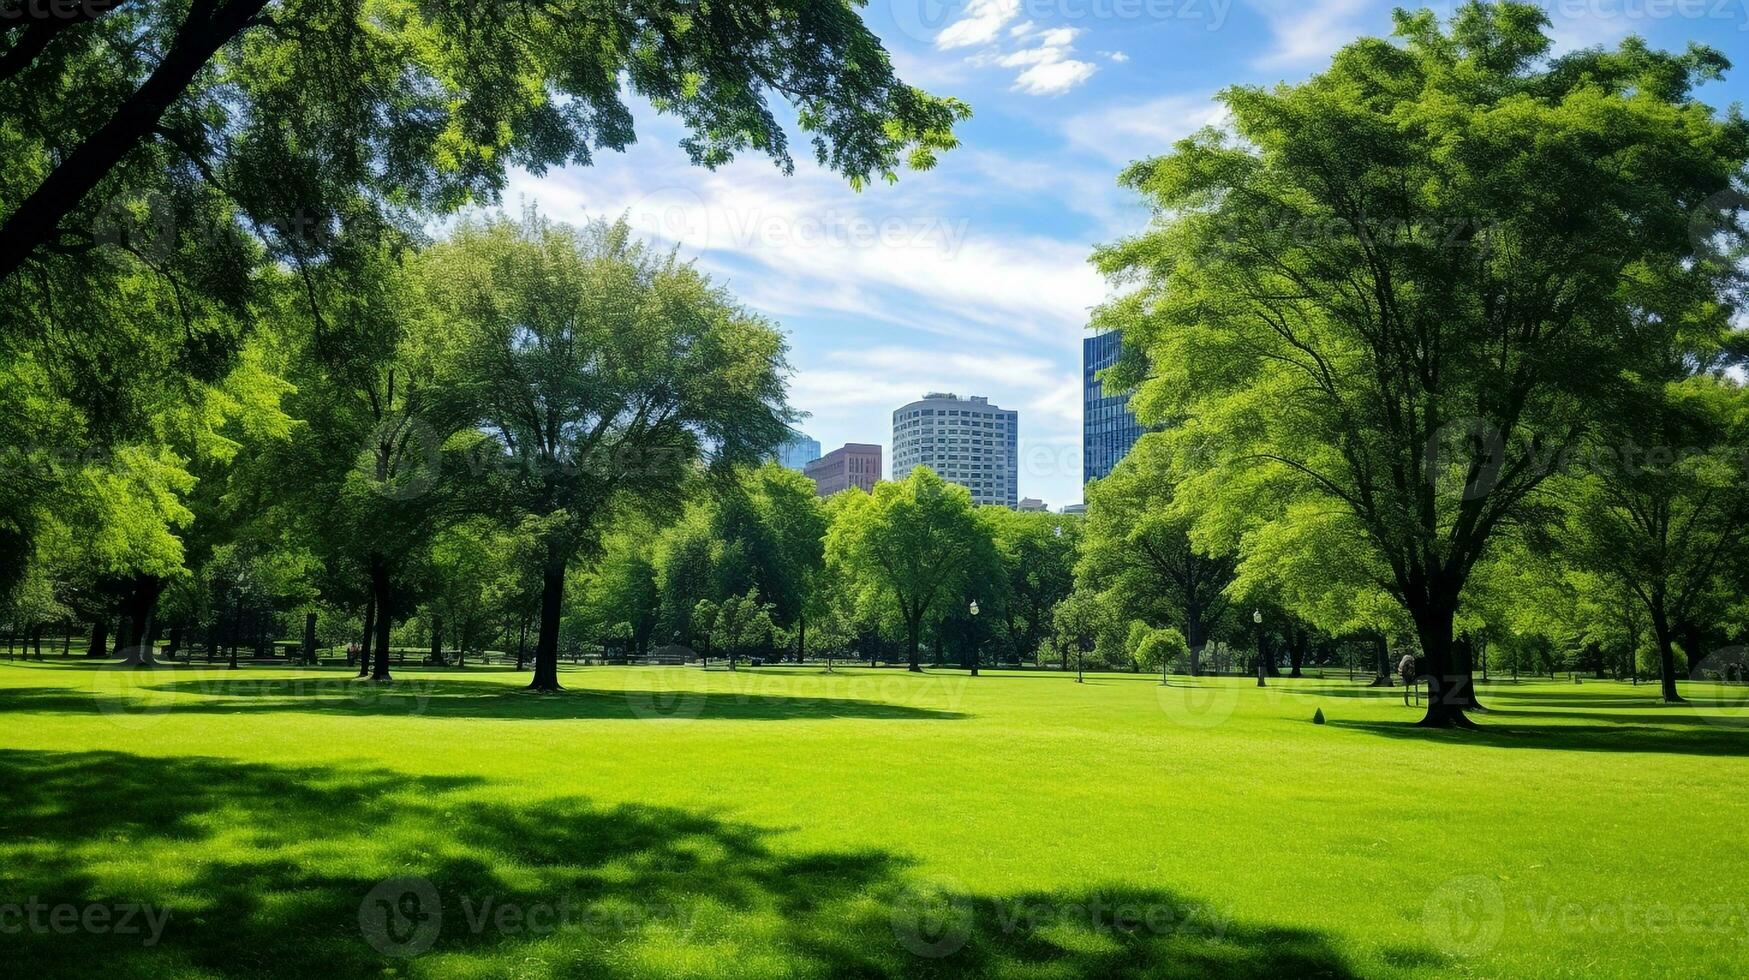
546,647
309,639
522,646
1448,683
1693,637
175,641
912,628
436,639
381,591
370,629
1666,655
801,638
1381,662
1196,638
1296,653
1464,650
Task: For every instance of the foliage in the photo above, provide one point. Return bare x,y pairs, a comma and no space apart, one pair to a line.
605,372
905,550
1159,649
1397,289
1139,555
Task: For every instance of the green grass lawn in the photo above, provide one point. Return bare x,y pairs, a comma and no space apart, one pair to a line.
655,821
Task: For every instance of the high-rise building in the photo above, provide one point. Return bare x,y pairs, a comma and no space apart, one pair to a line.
854,464
1108,430
797,451
967,441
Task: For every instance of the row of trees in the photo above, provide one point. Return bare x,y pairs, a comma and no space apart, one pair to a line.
759,563
232,376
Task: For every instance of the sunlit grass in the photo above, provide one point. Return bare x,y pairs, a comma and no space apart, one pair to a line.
655,821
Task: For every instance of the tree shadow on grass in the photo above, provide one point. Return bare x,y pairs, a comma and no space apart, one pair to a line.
1513,730
141,692
344,872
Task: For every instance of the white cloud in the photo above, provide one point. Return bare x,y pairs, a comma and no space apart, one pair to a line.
1058,37
1309,31
1046,391
1054,77
1045,57
1138,130
1117,56
983,21
923,254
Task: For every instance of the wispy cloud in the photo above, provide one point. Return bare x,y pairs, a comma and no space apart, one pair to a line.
924,253
1305,32
1137,130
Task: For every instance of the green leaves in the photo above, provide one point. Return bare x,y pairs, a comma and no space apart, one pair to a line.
1373,313
606,371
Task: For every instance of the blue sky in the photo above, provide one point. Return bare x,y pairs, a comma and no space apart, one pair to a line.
973,277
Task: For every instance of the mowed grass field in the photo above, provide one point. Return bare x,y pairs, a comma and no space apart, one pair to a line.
787,822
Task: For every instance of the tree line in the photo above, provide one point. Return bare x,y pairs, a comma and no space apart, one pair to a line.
1438,348
224,342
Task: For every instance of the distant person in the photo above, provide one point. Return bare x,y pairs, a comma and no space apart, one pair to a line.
1406,670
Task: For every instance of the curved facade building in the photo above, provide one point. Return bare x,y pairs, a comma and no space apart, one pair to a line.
967,441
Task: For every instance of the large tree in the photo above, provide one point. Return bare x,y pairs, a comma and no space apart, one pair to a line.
607,372
1399,288
1139,554
904,551
162,161
1037,552
771,528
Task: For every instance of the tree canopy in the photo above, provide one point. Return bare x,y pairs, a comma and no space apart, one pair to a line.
1400,288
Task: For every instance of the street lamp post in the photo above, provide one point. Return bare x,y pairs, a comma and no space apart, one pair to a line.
1257,618
973,609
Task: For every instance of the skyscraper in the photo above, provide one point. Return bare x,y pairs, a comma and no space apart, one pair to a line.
967,441
797,451
1108,430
